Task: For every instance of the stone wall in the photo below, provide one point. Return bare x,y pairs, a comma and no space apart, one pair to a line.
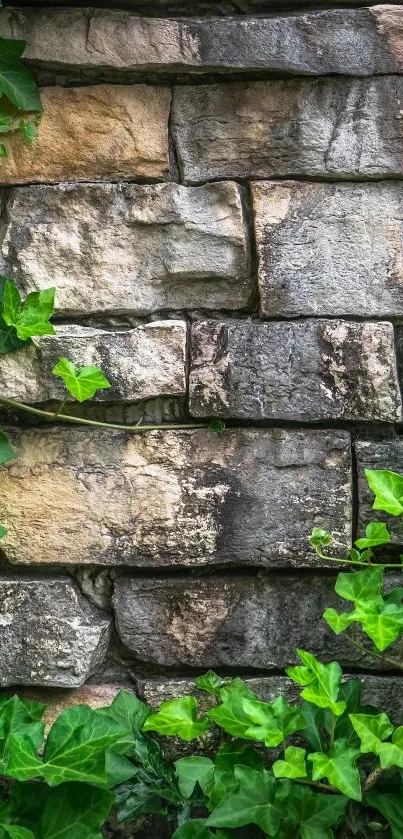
219,202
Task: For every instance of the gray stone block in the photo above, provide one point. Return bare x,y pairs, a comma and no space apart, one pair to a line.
329,249
330,128
80,496
50,635
308,370
142,363
125,248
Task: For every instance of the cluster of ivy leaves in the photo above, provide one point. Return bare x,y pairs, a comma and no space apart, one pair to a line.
20,104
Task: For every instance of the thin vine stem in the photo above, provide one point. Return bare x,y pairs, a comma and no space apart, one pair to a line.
394,662
318,784
20,406
357,562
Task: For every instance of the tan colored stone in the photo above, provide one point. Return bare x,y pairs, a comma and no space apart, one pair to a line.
96,696
88,133
100,497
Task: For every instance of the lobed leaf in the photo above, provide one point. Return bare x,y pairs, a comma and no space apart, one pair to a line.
321,682
192,771
178,717
82,382
339,767
293,765
387,487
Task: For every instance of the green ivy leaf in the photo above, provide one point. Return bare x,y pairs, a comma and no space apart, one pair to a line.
293,765
128,711
321,682
391,754
217,425
376,533
271,723
6,450
320,538
361,587
338,622
178,717
137,800
194,770
210,682
15,832
194,829
383,627
231,715
16,81
227,758
29,130
76,810
82,382
34,317
339,768
390,806
312,813
253,802
388,490
371,730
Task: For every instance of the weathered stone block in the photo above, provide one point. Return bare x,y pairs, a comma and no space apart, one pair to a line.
118,131
350,42
381,691
129,248
329,128
329,249
50,635
307,370
173,498
230,621
380,454
140,363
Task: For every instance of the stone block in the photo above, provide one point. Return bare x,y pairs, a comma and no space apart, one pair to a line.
329,128
307,370
231,622
329,249
249,496
142,363
50,635
129,248
379,454
118,131
356,42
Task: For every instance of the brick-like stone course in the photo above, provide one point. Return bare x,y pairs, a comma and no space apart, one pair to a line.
168,498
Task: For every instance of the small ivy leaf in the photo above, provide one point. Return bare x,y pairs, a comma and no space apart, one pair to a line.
82,382
391,754
371,730
338,622
361,587
231,715
3,150
35,314
178,717
376,533
356,556
13,831
210,683
5,123
29,130
384,627
11,303
3,531
293,765
194,770
217,425
272,723
321,682
388,490
320,538
6,450
339,768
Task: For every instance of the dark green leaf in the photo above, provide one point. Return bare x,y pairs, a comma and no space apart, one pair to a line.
16,81
127,710
253,802
138,799
194,829
29,130
227,758
75,810
391,807
217,425
210,682
313,814
6,450
194,770
82,382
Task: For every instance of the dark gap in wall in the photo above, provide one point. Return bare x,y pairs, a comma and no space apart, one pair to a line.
189,8
253,261
174,165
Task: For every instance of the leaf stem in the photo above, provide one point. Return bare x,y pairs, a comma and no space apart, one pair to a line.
356,561
81,421
372,779
327,787
61,406
394,662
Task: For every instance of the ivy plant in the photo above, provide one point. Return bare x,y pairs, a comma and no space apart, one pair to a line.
20,104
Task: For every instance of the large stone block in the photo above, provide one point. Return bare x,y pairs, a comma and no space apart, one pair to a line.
118,131
142,363
173,498
350,42
234,622
130,248
330,128
380,454
50,635
307,370
329,249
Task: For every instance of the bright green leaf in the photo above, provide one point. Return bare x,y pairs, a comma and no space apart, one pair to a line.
128,711
361,587
178,717
271,723
231,715
321,682
338,622
320,538
293,765
82,382
376,533
194,770
12,303
388,490
34,319
210,682
339,768
371,730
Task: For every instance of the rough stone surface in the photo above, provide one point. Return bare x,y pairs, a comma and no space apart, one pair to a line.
50,635
173,498
183,7
329,249
96,696
382,691
118,131
350,41
142,363
332,127
380,454
309,370
232,622
130,248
